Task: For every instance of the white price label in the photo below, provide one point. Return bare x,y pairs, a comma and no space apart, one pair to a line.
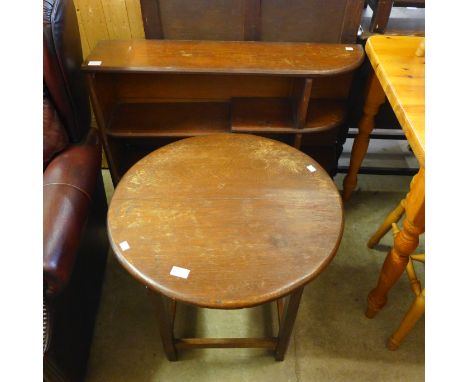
179,272
311,168
124,245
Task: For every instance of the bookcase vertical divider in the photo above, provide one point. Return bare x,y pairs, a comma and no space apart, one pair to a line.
300,103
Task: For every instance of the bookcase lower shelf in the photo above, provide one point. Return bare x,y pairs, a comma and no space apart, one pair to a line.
276,115
242,115
174,119
136,129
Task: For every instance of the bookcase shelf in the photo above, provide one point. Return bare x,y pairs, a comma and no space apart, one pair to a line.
276,115
176,119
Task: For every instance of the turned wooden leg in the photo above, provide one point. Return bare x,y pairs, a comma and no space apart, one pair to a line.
287,323
412,316
166,314
375,97
392,217
406,241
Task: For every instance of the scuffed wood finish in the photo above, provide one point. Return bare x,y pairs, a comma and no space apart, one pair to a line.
229,57
242,212
400,73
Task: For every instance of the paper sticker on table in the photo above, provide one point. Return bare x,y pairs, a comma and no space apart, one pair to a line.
311,168
349,48
124,245
94,63
179,272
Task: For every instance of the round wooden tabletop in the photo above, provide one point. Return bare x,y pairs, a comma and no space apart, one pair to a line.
242,213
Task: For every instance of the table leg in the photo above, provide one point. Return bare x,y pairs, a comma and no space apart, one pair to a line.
406,241
287,323
375,97
165,310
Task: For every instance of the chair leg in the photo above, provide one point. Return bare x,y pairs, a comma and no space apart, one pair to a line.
392,217
412,316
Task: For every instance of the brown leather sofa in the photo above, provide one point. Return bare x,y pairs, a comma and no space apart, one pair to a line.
74,216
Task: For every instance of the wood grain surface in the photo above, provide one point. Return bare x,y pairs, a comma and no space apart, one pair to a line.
243,57
241,212
401,74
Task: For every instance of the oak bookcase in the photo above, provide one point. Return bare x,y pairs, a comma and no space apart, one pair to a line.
147,93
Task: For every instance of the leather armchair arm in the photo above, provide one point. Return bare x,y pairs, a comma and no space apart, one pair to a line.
69,182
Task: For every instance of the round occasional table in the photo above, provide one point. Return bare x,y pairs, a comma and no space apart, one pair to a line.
225,221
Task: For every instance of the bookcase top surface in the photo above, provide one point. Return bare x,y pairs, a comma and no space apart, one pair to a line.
226,57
